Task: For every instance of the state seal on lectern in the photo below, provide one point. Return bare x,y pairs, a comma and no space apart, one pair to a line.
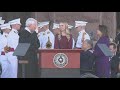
60,60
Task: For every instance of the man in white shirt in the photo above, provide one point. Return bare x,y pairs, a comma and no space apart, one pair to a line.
80,27
40,29
70,27
55,28
5,64
46,37
13,40
1,22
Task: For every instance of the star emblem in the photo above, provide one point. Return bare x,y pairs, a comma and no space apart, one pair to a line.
60,59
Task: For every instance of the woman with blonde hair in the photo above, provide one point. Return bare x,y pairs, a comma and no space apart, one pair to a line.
63,40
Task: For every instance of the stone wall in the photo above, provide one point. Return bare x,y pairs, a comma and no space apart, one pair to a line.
93,19
71,17
109,19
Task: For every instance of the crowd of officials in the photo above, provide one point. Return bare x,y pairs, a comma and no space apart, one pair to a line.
92,59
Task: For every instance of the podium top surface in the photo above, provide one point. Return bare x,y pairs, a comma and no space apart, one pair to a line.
61,50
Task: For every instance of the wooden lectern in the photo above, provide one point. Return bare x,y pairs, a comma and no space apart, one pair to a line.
59,63
21,51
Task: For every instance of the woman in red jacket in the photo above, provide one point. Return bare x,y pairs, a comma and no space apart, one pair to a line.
64,39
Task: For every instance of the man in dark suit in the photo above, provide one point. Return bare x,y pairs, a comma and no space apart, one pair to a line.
87,58
117,40
30,36
114,61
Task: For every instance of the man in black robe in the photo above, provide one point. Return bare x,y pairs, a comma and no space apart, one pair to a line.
30,36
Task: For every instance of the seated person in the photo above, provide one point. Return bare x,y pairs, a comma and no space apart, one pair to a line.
87,58
114,61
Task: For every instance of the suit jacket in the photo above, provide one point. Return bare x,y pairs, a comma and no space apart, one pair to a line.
117,40
87,61
114,65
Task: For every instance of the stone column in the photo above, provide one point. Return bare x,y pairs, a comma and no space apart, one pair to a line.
100,17
115,25
109,19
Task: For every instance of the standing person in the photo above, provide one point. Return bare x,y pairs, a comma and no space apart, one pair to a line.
46,37
1,32
117,41
30,36
40,29
13,40
1,22
102,61
56,29
80,27
4,49
63,40
70,28
115,60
